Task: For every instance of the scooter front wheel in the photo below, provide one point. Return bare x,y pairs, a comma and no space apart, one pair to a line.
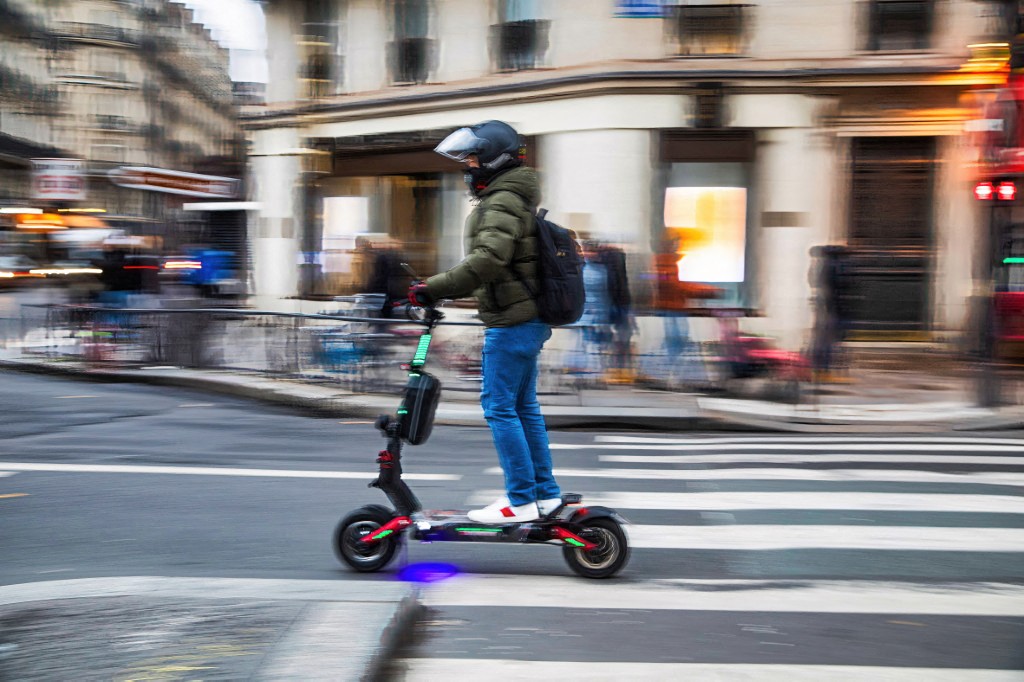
605,560
362,556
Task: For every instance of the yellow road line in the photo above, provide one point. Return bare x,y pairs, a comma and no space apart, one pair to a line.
14,495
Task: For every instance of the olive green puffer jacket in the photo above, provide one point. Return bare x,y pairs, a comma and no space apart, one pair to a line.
501,250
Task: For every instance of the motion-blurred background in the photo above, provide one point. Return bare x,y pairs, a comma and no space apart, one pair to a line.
806,173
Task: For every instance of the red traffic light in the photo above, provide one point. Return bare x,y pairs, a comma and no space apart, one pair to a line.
1004,191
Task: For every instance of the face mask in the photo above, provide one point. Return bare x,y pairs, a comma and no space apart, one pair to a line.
477,179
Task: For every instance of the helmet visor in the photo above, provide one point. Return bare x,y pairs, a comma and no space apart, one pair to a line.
460,144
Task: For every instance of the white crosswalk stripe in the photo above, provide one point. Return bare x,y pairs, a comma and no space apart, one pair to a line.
912,496
734,501
825,596
510,670
766,474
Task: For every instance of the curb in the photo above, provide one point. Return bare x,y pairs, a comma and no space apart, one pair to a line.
396,635
385,630
331,404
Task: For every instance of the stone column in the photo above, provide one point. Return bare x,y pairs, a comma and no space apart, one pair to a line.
276,172
793,182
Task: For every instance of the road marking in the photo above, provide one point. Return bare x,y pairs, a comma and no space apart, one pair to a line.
197,405
808,439
809,459
781,537
803,596
9,495
212,471
791,447
68,397
736,501
766,474
212,588
432,669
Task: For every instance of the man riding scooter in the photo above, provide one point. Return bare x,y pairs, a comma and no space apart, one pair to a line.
500,270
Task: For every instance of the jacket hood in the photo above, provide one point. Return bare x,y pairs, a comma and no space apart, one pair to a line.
522,180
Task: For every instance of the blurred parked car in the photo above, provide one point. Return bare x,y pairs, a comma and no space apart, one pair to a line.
18,271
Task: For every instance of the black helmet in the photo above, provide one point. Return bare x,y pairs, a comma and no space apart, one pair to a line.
496,145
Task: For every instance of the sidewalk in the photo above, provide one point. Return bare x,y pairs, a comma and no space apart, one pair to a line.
149,628
905,399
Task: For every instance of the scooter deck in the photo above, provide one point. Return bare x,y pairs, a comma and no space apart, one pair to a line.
461,529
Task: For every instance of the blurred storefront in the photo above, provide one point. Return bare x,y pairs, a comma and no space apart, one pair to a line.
745,143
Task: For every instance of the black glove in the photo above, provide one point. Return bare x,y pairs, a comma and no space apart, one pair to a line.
418,295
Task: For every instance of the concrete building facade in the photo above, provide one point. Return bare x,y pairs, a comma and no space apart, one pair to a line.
791,124
116,83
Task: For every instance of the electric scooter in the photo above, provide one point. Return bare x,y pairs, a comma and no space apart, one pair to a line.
591,537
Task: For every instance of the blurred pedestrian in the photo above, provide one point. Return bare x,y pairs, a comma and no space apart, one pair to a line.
682,361
386,277
831,277
500,270
595,335
620,313
116,280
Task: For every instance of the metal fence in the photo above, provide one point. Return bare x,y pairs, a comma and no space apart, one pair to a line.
350,349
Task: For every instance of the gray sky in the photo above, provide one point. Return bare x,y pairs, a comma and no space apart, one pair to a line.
239,26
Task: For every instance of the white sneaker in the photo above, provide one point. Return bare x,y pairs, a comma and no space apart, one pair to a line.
502,511
547,506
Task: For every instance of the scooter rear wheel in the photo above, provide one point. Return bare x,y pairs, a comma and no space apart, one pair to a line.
605,560
361,556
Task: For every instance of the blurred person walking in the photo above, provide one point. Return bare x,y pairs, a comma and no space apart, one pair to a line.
594,339
830,276
620,314
681,362
500,271
386,275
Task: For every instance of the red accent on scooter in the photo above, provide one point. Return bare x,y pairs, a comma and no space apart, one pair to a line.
393,526
385,458
563,534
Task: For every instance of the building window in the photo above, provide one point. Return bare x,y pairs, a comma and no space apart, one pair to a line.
520,39
900,25
709,30
411,51
320,66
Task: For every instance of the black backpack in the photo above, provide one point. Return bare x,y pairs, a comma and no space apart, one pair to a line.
560,272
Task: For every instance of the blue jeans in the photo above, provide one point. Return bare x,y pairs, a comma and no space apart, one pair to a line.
509,400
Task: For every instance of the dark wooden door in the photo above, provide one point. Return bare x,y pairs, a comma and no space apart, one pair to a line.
890,233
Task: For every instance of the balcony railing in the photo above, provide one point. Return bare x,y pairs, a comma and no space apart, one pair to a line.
97,32
519,45
115,123
709,30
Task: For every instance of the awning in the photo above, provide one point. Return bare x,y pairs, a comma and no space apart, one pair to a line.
49,222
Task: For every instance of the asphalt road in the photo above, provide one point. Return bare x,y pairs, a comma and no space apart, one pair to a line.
755,555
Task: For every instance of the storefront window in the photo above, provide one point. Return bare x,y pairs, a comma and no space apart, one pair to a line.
360,214
706,208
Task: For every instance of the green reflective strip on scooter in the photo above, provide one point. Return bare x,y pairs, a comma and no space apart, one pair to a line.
479,530
421,351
